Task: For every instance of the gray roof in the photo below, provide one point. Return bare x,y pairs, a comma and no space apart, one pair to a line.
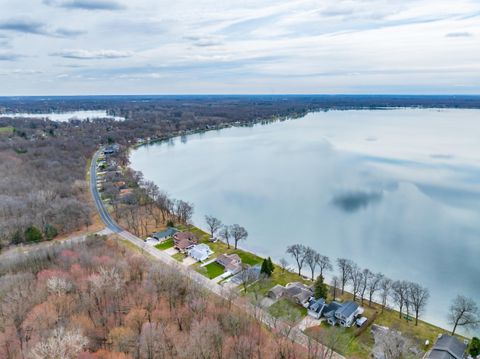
170,231
316,305
346,310
331,308
448,347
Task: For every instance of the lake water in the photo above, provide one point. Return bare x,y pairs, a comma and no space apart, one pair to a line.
66,116
397,191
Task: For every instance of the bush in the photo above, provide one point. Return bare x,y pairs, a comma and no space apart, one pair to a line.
33,234
50,232
474,347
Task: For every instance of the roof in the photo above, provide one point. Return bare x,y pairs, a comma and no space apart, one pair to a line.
346,309
448,347
331,308
183,244
185,235
316,305
277,290
228,260
200,251
170,231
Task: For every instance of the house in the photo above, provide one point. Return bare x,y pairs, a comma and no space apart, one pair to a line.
295,291
344,314
231,262
183,241
316,307
447,347
200,252
111,149
167,233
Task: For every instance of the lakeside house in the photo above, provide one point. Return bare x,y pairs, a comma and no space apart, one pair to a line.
447,347
165,234
231,262
316,307
343,314
183,241
200,252
296,291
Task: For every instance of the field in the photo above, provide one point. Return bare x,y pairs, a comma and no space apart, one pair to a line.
6,130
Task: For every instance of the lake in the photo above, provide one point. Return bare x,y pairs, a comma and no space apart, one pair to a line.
66,116
397,190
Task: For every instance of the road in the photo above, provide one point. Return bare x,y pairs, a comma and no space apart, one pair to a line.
294,334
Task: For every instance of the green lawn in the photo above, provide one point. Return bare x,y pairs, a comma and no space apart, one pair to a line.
247,257
213,270
6,130
179,256
165,245
288,310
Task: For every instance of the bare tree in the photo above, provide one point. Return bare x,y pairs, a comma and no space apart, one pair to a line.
385,287
334,286
238,233
373,285
184,211
324,264
366,276
283,264
345,268
61,344
247,276
463,312
400,295
297,251
214,224
392,344
356,277
418,298
225,234
312,258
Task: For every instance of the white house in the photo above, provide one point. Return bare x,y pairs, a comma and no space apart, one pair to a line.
200,252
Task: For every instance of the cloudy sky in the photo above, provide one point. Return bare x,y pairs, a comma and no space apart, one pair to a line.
65,47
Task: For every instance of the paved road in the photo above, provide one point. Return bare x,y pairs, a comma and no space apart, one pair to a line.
294,334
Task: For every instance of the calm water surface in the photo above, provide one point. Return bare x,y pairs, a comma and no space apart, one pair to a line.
397,191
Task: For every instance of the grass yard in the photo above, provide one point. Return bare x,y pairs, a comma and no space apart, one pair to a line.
165,245
213,270
6,130
287,310
247,257
179,256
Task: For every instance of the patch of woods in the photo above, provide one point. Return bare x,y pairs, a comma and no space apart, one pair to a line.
96,299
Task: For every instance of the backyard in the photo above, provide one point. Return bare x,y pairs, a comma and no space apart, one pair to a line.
212,270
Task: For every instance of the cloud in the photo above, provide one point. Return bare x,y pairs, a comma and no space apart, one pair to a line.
92,55
24,26
459,34
86,4
28,26
5,56
355,200
208,41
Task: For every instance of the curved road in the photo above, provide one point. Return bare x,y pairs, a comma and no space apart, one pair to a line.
294,334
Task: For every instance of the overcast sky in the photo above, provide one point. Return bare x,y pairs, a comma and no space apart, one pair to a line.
68,47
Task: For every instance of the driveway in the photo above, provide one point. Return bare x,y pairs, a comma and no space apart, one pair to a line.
308,322
170,251
188,261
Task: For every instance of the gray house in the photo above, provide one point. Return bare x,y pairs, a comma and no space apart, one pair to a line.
316,307
167,233
447,347
343,314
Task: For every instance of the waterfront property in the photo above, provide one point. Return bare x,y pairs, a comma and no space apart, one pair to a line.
231,262
343,314
163,235
200,252
447,347
183,241
296,291
316,307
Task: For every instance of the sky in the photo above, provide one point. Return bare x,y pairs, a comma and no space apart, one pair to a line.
89,47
